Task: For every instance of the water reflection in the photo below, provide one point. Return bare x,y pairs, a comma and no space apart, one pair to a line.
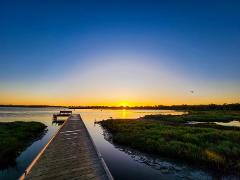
11,162
165,166
231,123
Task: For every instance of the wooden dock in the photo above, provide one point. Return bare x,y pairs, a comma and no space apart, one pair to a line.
61,114
70,154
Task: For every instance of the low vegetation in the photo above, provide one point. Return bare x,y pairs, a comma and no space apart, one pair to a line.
15,137
206,146
199,116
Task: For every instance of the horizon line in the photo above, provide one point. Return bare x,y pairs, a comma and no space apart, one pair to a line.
115,106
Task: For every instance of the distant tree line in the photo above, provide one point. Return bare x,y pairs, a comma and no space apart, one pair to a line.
203,107
235,106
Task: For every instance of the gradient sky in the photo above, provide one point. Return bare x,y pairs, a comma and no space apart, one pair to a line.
119,52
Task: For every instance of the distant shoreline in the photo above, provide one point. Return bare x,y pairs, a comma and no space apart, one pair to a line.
32,106
235,106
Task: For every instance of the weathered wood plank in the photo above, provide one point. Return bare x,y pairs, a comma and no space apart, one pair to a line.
70,154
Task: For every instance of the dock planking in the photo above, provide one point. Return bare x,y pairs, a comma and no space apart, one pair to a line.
70,154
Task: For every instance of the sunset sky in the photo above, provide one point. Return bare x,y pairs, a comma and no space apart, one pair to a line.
119,52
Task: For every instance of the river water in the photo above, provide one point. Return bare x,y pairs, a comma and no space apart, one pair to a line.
123,163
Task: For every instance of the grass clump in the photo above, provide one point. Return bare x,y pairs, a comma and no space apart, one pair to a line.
15,137
211,147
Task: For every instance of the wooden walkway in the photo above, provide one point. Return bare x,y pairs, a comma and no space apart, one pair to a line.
70,154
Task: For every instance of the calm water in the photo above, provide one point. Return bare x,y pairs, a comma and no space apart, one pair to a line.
123,163
231,123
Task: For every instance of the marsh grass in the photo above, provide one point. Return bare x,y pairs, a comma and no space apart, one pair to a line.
15,137
199,116
210,147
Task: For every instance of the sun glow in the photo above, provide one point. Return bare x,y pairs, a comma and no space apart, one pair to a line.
124,104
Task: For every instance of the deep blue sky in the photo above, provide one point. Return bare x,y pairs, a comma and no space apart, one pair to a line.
169,47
